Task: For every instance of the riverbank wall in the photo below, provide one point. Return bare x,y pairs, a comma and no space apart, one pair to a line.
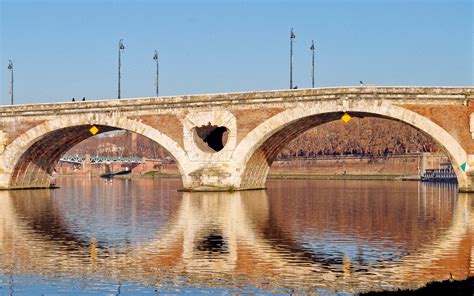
404,164
346,166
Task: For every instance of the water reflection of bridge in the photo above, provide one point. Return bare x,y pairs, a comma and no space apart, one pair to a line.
244,234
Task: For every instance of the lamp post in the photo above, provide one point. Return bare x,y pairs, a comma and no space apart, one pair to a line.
312,48
121,48
292,37
10,68
155,58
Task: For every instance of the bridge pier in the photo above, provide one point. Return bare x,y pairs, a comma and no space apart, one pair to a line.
4,177
468,186
211,177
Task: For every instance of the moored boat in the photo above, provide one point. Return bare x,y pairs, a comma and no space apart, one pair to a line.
444,174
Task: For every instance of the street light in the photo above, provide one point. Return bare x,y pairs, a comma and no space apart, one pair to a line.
155,58
312,48
292,37
10,67
121,48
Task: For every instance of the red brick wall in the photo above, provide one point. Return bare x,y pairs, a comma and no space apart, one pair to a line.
399,165
168,124
249,119
454,119
16,128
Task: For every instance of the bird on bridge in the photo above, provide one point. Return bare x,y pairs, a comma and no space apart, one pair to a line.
73,99
83,99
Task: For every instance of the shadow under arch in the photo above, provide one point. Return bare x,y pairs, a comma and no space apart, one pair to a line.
31,157
257,151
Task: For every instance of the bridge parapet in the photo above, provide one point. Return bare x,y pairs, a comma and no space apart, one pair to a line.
406,95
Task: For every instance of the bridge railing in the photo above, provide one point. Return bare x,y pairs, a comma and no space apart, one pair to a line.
97,159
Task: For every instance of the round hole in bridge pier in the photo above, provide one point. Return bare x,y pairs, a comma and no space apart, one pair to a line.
210,138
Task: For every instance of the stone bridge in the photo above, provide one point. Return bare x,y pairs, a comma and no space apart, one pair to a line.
228,141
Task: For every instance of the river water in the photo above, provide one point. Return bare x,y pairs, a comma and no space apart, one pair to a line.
142,236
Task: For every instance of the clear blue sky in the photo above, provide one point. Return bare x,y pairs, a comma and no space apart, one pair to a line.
65,49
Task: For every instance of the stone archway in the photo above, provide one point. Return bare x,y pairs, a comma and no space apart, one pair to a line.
256,152
28,161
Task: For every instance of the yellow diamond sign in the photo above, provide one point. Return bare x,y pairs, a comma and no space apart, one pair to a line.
346,117
94,130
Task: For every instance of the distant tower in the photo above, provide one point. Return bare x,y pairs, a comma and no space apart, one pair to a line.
86,165
133,144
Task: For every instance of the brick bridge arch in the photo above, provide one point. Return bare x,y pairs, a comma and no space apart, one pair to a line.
259,148
31,157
